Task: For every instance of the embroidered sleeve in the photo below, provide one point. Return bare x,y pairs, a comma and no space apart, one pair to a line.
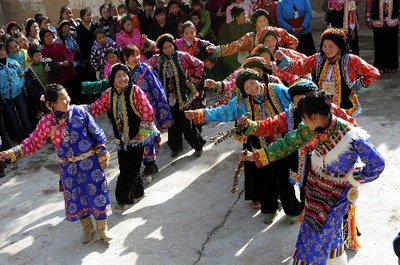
284,76
287,39
271,126
153,61
300,66
94,87
98,136
245,43
374,162
143,105
229,112
101,105
341,113
284,146
35,140
194,66
368,73
368,10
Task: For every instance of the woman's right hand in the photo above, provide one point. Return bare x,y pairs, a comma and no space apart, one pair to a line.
243,121
211,48
4,155
279,55
210,83
189,114
65,63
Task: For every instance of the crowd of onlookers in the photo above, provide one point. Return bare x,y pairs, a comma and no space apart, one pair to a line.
79,49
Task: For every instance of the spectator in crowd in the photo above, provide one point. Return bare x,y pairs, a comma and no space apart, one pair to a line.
295,17
32,31
343,15
269,6
246,7
67,14
22,40
99,48
108,23
13,97
160,25
12,28
383,18
85,38
133,7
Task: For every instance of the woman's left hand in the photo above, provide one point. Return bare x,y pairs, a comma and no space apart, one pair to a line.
104,164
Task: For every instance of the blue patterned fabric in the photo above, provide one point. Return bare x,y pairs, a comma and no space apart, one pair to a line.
84,182
147,79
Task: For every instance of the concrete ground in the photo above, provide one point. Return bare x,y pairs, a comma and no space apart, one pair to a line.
189,216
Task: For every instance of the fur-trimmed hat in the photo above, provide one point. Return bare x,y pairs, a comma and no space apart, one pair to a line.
338,37
254,61
113,71
244,74
261,48
162,39
11,25
301,87
258,13
264,32
237,11
42,33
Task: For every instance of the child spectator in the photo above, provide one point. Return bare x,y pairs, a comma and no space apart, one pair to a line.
79,144
129,34
203,26
2,30
39,74
68,38
229,15
185,7
122,10
32,31
133,7
22,40
147,17
61,54
112,57
160,25
113,9
108,23
13,101
15,52
174,12
12,28
100,46
45,23
66,14
85,38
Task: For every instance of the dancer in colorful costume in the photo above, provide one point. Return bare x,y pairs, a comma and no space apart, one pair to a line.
331,186
83,156
260,101
132,119
178,71
338,72
147,79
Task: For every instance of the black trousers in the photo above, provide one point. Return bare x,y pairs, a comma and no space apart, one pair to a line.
129,183
386,48
306,44
185,127
267,183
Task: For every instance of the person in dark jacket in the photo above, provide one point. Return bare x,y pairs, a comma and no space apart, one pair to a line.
39,74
